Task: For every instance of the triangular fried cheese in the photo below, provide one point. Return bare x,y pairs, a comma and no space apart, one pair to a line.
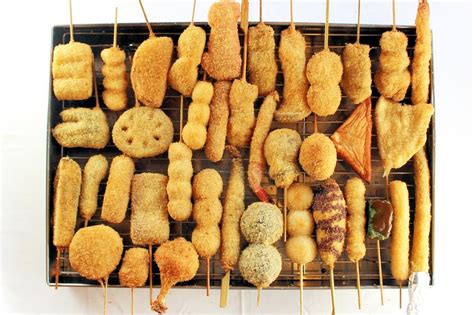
401,131
353,139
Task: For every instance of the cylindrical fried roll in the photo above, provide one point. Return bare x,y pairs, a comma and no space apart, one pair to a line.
149,223
67,188
356,77
180,172
115,78
400,239
117,192
94,172
354,192
134,270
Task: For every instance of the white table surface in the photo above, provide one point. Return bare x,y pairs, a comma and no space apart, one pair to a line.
25,54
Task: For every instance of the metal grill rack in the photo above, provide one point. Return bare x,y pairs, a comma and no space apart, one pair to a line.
315,276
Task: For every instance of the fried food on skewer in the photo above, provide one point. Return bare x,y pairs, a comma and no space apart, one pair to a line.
177,261
117,191
94,172
134,270
318,156
262,223
356,77
180,172
422,55
222,61
257,159
242,116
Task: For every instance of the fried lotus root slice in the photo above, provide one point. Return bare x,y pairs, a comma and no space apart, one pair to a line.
142,132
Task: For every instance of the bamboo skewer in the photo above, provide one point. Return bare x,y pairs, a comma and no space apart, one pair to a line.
358,285
115,28
260,10
104,290
150,275
358,22
244,25
394,26
132,304
181,105
333,294
400,286
380,271
56,273
71,29
208,275
258,295
285,193
225,282
194,10
291,14
326,28
301,288
150,30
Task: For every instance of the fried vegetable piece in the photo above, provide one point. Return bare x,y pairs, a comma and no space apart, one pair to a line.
95,251
262,64
134,270
222,61
149,223
353,140
117,191
115,78
219,116
392,77
318,156
262,222
72,71
94,172
260,264
380,215
401,131
356,77
180,172
82,127
178,262
292,54
184,72
354,192
234,206
150,66
67,188
257,158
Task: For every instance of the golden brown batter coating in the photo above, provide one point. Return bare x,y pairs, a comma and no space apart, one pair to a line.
260,264
180,172
318,156
115,78
117,192
299,196
82,127
300,223
150,66
354,192
72,71
262,223
94,172
134,270
356,77
149,223
301,249
67,187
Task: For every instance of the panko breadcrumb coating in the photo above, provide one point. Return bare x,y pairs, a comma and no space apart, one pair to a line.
117,191
299,196
67,188
357,77
262,64
260,264
94,172
115,82
149,223
262,222
222,61
301,249
180,172
300,222
149,73
82,127
184,72
95,251
206,240
134,270
318,156
354,193
72,71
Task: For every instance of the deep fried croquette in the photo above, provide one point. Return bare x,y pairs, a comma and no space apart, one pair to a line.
115,78
206,239
356,77
94,172
299,196
134,270
354,192
318,156
300,222
301,249
260,264
262,222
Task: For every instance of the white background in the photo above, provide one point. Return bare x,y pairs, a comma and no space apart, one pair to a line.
25,54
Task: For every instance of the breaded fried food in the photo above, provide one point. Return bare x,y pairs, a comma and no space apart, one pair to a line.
234,206
401,131
262,64
72,71
194,132
400,239
184,72
300,223
94,172
257,158
324,72
143,132
180,172
95,251
281,150
354,192
117,191
149,73
392,77
115,78
149,223
67,187
356,77
318,156
177,261
294,106
422,56
82,127
299,197
260,264
134,270
222,61
262,222
301,249
242,114
219,116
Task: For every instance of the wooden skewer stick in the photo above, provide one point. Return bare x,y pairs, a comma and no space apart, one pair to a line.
333,294
181,105
400,286
150,275
292,24
225,289
96,90
301,288
394,27
56,273
86,222
326,27
104,290
208,275
244,25
259,289
358,285
150,30
380,271
115,27
71,29
132,294
260,10
194,10
358,22
285,193
315,123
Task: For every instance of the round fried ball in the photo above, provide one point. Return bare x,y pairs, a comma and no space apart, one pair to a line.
300,223
207,184
393,41
180,209
301,249
260,264
206,240
207,211
262,223
194,135
180,170
299,197
324,100
95,251
179,151
318,156
325,67
134,270
203,92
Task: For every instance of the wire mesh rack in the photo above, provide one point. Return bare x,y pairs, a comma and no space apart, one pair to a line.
315,273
